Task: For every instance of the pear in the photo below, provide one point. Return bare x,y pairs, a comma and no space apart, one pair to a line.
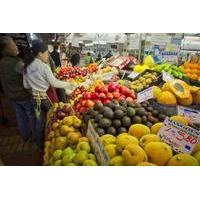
80,157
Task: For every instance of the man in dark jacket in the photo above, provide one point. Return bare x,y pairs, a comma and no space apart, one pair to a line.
11,75
56,56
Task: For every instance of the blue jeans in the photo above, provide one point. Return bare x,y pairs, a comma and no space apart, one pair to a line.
40,122
25,118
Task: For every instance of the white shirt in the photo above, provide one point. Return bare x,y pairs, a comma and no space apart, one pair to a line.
39,78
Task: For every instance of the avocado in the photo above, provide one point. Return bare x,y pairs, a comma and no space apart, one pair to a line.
144,119
152,119
98,117
107,112
136,119
140,111
123,102
105,123
155,113
161,117
149,124
90,111
100,131
110,105
131,111
120,108
98,106
144,104
111,130
116,123
138,105
149,108
126,121
121,130
118,114
86,117
115,102
131,104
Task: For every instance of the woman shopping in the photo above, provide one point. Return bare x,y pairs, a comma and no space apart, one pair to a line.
38,77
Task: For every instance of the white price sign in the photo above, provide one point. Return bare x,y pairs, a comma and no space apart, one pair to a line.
192,114
97,146
181,138
167,77
145,95
133,75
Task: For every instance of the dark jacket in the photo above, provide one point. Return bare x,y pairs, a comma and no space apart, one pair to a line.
11,75
56,58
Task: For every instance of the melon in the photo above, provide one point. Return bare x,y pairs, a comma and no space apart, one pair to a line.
167,98
180,119
186,101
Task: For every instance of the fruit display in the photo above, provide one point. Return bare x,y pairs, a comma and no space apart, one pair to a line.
93,67
177,92
192,70
71,72
174,70
145,80
149,61
103,94
66,146
117,117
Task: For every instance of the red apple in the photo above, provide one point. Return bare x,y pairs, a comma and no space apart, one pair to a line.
98,89
78,106
82,110
83,102
89,103
116,95
106,101
133,96
122,97
86,95
96,101
109,96
129,99
112,87
102,96
94,95
104,90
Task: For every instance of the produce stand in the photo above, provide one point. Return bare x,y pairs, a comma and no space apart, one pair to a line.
106,124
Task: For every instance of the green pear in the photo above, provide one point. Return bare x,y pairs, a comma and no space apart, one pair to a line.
116,161
89,163
67,151
92,156
80,157
58,163
61,142
68,158
71,164
50,161
85,146
57,154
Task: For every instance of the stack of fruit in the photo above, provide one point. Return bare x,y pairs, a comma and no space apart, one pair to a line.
71,73
192,70
115,118
93,67
141,146
177,91
174,70
144,81
77,93
103,94
65,145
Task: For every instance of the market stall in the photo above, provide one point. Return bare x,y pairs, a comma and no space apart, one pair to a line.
146,115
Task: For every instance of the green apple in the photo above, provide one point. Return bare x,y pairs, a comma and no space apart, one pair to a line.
85,146
89,163
80,157
57,154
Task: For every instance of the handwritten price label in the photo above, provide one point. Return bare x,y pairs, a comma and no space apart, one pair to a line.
192,114
145,95
167,77
97,146
181,138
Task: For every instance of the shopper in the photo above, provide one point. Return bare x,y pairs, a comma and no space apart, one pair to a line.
39,77
98,57
56,56
11,74
75,59
88,59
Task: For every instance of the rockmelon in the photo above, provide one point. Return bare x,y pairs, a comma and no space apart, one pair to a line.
167,98
196,97
186,101
180,119
180,88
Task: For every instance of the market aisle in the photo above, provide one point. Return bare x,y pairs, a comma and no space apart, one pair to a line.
14,151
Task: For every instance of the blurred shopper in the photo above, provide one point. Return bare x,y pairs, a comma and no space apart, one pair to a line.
11,74
98,57
108,55
88,59
56,56
39,77
75,59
